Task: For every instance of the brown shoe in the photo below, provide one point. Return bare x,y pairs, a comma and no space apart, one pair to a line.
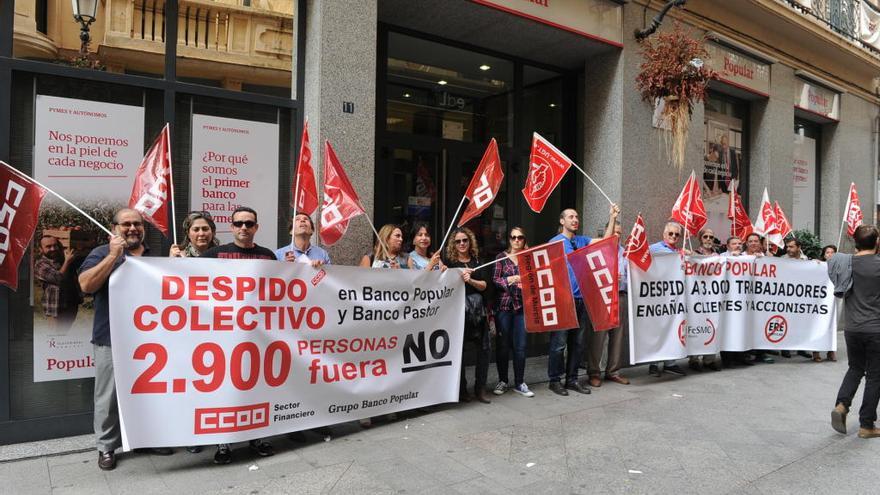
481,396
595,381
618,379
869,432
817,358
838,418
106,461
832,356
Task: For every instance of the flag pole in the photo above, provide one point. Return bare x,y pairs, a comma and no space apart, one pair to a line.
23,175
496,260
381,242
687,217
457,211
573,164
845,211
171,185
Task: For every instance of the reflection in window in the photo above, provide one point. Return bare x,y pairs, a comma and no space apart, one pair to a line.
447,92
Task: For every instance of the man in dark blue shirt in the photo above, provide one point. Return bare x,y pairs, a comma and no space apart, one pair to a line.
573,339
94,278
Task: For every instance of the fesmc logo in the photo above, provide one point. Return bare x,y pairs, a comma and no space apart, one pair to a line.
541,177
775,329
686,331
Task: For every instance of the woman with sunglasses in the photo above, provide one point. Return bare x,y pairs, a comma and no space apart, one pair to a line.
419,259
462,252
509,317
200,236
392,237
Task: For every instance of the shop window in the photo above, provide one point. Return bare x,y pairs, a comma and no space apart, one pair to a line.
805,175
725,158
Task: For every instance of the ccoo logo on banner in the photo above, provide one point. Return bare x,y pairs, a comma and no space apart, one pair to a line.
707,304
213,351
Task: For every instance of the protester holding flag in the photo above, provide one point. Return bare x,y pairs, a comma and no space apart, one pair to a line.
419,259
94,278
572,339
301,228
510,318
244,230
463,252
390,236
200,236
613,338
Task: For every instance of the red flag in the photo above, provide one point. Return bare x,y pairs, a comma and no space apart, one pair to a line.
637,246
547,167
596,270
19,212
767,224
546,291
484,184
781,220
853,210
741,224
688,209
307,195
152,183
341,202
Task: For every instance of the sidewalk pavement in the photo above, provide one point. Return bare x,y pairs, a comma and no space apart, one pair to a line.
762,429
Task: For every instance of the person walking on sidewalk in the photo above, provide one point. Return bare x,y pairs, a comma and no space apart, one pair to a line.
855,279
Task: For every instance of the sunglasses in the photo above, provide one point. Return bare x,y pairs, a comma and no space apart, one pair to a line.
128,225
461,241
517,238
246,223
673,234
708,237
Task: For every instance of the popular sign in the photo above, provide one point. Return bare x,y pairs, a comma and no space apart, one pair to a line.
271,347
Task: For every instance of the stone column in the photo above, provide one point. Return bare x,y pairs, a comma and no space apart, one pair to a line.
340,68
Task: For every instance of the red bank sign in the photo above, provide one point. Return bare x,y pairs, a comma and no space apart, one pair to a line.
738,69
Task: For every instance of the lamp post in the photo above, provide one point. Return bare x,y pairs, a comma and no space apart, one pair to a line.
656,21
84,12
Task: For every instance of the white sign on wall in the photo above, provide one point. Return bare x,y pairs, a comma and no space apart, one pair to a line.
235,163
803,176
87,149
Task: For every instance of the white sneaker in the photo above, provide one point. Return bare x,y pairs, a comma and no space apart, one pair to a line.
523,390
500,388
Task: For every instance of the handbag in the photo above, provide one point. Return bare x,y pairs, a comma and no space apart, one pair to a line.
474,312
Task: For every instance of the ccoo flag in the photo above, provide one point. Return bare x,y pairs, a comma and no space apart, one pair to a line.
20,207
637,246
853,210
547,167
305,191
546,290
152,183
689,209
596,270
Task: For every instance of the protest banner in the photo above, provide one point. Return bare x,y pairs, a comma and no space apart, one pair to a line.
706,304
270,347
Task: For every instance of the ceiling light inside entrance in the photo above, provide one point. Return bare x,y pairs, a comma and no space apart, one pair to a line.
485,67
442,82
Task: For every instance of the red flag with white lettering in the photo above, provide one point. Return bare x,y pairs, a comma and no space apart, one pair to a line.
637,246
305,190
689,209
853,211
152,183
546,290
767,224
781,220
484,184
741,224
19,212
595,267
341,202
547,167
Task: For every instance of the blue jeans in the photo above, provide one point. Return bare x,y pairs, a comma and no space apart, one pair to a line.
511,335
573,340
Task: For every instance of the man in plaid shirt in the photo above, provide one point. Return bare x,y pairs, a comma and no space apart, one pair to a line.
57,275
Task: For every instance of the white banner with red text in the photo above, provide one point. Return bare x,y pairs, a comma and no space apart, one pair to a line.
704,304
213,351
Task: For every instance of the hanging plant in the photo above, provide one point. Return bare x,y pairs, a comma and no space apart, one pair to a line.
673,74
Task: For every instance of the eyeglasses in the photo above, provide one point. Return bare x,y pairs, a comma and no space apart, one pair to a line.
128,225
517,238
673,234
708,237
244,223
461,241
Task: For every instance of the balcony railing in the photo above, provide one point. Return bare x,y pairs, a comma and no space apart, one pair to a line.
856,20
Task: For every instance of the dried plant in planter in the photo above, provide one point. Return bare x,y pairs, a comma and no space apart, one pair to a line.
673,72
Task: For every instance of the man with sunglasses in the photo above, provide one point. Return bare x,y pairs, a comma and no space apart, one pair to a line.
572,339
242,247
672,234
94,278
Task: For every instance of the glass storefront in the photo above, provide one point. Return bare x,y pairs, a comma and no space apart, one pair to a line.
805,175
725,158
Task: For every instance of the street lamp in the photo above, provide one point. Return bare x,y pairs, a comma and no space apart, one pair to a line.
657,20
84,12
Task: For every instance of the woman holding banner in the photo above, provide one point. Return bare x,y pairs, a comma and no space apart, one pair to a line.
391,237
509,317
462,252
200,236
419,259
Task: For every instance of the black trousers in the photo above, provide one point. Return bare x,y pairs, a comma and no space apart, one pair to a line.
863,356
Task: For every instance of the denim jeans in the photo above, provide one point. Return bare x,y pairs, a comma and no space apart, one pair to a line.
573,339
511,336
863,356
